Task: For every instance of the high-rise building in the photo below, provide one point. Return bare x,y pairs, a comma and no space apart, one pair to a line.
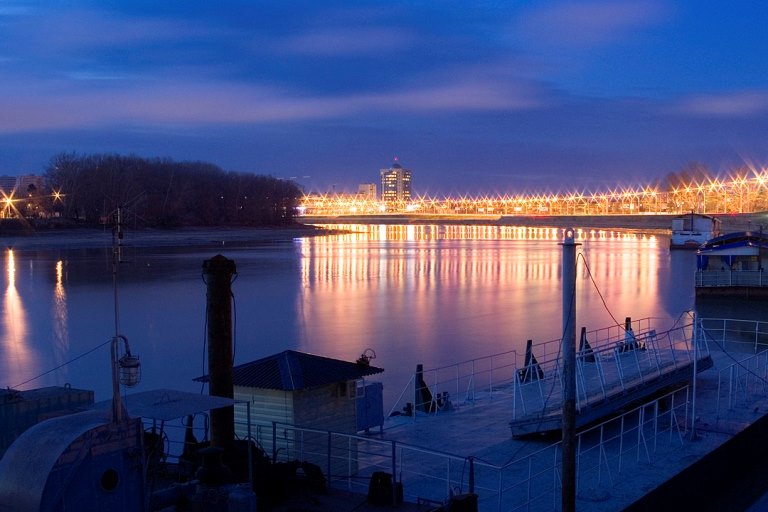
367,191
395,183
7,185
29,184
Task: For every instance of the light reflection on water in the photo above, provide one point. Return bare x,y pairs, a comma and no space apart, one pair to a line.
17,352
60,327
414,294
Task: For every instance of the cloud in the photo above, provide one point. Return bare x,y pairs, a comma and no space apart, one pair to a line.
58,105
737,104
62,31
591,23
15,8
348,41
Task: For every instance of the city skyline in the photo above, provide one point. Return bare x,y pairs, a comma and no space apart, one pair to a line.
475,97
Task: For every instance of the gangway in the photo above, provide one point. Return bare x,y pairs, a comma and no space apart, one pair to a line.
609,379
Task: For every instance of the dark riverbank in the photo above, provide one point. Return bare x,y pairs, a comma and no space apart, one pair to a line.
98,237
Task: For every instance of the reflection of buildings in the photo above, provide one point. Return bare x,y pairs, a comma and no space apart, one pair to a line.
395,183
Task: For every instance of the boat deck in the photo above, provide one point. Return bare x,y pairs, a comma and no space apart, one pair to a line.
618,463
607,481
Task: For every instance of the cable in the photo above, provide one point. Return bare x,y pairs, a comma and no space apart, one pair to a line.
64,364
736,361
205,336
234,316
597,288
554,381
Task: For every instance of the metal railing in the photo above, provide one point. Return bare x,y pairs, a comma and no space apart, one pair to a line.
740,383
494,376
605,451
605,371
746,379
725,333
720,278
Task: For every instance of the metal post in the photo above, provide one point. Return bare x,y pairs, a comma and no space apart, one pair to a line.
695,374
394,473
250,452
330,443
472,475
569,372
274,442
218,273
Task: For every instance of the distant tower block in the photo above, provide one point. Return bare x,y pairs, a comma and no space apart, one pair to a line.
395,183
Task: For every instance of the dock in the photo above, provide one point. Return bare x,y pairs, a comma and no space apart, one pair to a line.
466,446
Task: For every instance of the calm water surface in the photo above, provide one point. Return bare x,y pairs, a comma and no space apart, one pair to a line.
413,294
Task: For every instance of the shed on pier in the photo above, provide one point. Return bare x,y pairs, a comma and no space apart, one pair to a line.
305,390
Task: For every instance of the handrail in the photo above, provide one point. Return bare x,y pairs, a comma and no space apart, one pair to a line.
721,278
604,451
607,370
496,372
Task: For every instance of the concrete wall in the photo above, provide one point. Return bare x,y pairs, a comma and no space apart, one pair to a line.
731,477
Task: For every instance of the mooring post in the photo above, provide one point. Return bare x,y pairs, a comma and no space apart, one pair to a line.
569,372
218,273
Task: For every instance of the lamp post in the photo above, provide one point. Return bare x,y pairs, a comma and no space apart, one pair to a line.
126,370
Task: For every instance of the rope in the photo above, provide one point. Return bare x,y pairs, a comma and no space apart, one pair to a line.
65,364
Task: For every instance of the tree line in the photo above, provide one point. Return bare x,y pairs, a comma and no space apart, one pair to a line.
164,193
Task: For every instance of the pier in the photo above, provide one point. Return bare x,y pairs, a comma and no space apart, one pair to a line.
466,446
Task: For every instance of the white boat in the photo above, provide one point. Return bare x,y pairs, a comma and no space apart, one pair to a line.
691,230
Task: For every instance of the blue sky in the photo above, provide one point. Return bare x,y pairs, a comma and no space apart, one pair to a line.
473,96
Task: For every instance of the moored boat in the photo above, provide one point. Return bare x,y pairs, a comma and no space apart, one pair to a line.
732,264
691,230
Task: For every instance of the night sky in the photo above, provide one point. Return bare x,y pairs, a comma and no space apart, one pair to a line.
473,96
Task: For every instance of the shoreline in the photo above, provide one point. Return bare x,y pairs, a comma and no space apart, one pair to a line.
208,237
101,237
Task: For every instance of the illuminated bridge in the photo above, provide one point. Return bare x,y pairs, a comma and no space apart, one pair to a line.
716,196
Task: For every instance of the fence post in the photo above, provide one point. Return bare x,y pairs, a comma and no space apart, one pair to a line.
471,475
274,442
329,458
250,442
394,473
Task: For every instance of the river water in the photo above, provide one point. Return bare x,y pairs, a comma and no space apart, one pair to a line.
413,294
